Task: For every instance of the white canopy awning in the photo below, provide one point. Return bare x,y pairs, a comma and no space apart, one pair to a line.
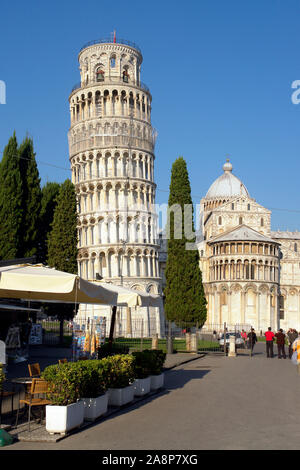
37,282
41,283
132,297
18,307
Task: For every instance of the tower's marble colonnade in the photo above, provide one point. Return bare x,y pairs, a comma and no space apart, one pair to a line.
111,146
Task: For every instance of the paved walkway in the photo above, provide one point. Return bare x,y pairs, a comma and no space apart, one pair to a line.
209,403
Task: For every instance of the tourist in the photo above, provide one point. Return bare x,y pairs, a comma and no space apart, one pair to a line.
280,336
252,339
244,336
291,336
296,348
269,342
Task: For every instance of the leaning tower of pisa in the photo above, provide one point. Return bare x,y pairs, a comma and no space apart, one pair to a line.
111,146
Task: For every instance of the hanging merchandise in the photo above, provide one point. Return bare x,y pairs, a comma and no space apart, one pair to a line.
87,343
13,338
100,329
88,337
93,344
78,342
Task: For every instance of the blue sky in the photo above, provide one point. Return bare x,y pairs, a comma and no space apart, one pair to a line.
220,74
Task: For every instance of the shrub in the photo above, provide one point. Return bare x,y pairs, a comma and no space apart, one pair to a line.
87,379
141,364
157,358
121,371
105,350
148,362
96,378
67,382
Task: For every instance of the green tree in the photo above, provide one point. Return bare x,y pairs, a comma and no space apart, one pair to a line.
31,199
11,210
184,294
62,245
62,241
48,204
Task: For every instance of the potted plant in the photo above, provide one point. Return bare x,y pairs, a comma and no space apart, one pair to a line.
66,410
94,388
157,359
121,378
142,373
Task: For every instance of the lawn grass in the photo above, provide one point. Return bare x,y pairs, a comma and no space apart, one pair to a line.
179,345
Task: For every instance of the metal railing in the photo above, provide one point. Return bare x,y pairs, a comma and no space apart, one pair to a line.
51,332
138,333
111,41
111,79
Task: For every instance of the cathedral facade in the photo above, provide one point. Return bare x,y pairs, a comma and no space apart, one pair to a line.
251,274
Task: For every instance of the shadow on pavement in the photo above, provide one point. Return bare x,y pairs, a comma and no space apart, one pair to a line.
180,377
174,379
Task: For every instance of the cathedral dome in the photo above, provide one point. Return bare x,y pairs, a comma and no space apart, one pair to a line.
227,185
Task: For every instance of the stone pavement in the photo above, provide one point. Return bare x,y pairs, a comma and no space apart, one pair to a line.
50,355
209,403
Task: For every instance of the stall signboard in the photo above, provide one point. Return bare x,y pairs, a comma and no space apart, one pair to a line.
36,334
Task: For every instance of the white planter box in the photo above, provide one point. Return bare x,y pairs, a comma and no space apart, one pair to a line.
120,396
142,386
61,419
157,381
95,407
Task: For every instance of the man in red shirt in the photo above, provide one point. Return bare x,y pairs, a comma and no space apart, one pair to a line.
269,342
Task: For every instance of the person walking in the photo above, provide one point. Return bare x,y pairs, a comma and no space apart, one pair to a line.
252,338
280,337
269,342
296,348
292,335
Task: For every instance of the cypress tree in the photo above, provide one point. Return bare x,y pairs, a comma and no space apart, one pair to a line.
11,210
49,201
62,245
62,240
31,199
185,302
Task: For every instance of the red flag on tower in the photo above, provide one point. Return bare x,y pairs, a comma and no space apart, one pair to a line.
114,35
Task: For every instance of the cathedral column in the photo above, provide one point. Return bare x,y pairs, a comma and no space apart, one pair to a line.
229,307
218,308
243,313
269,310
258,301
